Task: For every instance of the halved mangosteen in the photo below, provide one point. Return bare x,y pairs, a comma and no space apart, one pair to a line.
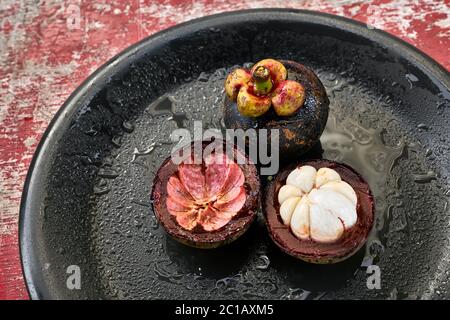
283,95
210,202
319,211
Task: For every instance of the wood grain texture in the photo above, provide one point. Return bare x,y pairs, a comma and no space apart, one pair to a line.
47,48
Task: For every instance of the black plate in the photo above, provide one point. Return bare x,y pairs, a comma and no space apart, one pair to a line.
86,199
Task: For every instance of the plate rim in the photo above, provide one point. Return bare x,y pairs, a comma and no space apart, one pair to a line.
31,271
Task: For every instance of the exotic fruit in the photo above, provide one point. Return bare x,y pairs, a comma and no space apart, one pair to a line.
319,211
263,86
282,95
206,204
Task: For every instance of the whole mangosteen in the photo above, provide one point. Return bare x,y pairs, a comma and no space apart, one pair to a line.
283,95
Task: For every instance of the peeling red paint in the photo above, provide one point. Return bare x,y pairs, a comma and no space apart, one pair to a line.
47,51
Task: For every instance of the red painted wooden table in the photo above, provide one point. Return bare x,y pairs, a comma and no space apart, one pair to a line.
47,49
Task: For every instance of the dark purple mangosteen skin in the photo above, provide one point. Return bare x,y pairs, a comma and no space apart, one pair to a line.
310,251
299,132
206,240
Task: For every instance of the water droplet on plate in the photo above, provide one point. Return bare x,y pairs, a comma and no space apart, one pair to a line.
425,177
422,126
203,77
265,263
128,126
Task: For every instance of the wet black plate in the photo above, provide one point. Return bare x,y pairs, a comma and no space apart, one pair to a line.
86,200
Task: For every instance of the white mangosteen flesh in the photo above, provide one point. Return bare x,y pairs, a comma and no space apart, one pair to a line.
317,205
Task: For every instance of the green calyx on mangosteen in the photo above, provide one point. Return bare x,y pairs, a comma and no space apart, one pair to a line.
266,86
262,81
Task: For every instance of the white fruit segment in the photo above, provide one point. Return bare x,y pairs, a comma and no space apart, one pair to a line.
336,203
288,191
343,188
302,178
317,204
325,175
300,219
287,208
325,227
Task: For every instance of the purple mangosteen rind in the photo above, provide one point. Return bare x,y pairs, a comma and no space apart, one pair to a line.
235,228
307,250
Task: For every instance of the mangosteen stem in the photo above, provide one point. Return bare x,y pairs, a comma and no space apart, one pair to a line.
263,82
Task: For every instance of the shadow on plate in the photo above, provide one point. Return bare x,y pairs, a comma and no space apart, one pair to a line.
214,263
